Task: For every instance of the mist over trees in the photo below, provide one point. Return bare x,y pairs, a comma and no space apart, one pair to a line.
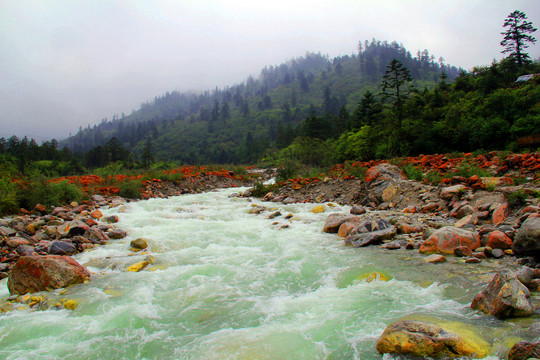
312,96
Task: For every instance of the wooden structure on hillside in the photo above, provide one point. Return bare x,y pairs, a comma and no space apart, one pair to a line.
528,141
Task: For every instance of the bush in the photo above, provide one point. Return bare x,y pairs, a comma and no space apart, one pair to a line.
47,194
8,196
288,171
130,189
467,170
434,177
412,172
259,190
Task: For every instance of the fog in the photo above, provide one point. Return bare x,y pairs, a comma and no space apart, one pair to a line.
65,64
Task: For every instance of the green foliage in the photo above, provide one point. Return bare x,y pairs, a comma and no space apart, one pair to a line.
259,190
352,169
49,194
289,170
130,189
517,198
433,177
8,196
468,169
412,172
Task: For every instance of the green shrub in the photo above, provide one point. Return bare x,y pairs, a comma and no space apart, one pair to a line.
358,172
47,194
434,177
289,170
8,196
412,172
130,189
467,170
259,190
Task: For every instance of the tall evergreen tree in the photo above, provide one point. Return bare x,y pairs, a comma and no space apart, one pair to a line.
517,38
396,87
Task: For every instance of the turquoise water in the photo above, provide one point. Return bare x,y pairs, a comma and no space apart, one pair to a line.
227,284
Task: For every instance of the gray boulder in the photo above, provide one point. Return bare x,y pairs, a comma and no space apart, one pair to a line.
527,241
371,232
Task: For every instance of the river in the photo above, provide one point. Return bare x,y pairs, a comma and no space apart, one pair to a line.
227,284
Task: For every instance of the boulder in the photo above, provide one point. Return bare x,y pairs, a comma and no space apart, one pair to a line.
499,240
334,221
371,232
425,339
347,226
463,251
111,219
44,273
385,172
58,247
116,234
358,210
524,350
451,191
504,297
527,241
96,236
384,181
15,242
139,243
448,238
500,213
72,228
25,250
435,258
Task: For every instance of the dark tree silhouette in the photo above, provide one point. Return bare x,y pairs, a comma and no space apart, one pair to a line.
516,37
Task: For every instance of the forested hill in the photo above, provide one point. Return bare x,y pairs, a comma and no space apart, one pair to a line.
239,123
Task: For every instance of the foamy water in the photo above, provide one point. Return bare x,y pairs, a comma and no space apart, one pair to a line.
227,284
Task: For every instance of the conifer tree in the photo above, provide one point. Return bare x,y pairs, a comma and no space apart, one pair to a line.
517,38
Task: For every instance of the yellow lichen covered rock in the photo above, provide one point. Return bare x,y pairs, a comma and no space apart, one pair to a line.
138,266
421,338
70,304
318,209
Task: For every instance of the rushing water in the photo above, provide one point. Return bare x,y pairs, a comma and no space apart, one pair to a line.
227,284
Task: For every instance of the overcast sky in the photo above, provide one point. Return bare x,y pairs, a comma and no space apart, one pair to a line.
67,63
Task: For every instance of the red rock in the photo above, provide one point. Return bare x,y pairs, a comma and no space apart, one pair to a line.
334,221
450,191
38,273
430,207
473,260
96,214
90,222
408,229
524,350
463,251
14,242
531,209
384,171
499,240
447,239
347,226
40,208
500,213
435,258
473,179
409,210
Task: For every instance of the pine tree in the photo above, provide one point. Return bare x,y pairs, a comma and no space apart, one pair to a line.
395,87
516,37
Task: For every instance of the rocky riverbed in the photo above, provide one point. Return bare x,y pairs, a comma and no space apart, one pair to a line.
459,222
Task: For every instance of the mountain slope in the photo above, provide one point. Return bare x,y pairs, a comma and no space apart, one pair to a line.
239,123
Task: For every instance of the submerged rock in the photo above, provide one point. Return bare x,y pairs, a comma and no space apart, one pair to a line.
504,297
420,338
38,273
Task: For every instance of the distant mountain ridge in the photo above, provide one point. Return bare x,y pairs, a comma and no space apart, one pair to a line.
239,123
